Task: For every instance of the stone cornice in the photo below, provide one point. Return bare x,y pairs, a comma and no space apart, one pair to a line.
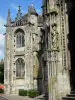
16,25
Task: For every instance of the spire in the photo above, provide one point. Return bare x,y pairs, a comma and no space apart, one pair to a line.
31,9
19,10
8,18
19,14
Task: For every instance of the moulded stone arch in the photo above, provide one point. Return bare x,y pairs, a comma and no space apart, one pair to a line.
17,29
20,68
20,57
20,37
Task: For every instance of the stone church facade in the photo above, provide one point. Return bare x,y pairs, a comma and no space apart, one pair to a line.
21,46
46,47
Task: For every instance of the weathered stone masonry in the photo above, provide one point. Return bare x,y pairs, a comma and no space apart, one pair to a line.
21,46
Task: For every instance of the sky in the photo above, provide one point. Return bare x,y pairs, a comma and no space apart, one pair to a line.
13,6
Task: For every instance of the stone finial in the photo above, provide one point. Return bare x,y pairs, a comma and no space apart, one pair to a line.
8,18
8,12
19,9
19,14
31,9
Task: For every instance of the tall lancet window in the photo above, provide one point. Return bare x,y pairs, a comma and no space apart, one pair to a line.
20,68
19,39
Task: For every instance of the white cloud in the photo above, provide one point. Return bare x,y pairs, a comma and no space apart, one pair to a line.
39,11
2,37
2,23
16,7
1,46
1,54
1,40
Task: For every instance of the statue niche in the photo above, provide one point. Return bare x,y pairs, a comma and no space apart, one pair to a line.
54,37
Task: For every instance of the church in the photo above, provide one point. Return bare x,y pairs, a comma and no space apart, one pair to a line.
43,43
21,45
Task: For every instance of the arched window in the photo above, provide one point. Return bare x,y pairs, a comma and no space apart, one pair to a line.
19,39
20,68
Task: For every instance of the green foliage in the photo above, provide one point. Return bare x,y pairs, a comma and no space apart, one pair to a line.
1,73
1,91
30,93
22,92
33,93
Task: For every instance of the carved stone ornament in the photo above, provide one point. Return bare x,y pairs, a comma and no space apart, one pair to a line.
54,34
47,22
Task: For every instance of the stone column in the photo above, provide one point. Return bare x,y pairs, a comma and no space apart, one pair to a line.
58,72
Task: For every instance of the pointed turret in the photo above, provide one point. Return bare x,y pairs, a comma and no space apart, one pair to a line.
8,18
19,14
31,10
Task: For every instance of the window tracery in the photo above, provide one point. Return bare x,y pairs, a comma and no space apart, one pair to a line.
20,68
19,39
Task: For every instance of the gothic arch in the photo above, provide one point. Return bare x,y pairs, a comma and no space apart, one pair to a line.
20,38
20,68
19,29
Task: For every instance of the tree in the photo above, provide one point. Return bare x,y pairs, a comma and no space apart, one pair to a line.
2,73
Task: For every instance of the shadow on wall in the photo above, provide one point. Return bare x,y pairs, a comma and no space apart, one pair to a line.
2,73
40,76
71,46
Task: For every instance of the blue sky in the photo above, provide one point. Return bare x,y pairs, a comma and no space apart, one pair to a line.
13,6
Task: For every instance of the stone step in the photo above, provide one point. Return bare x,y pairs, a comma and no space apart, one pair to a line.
68,98
70,95
72,92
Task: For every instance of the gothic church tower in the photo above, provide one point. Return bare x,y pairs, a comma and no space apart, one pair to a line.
21,46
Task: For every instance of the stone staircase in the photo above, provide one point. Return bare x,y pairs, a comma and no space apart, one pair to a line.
70,96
